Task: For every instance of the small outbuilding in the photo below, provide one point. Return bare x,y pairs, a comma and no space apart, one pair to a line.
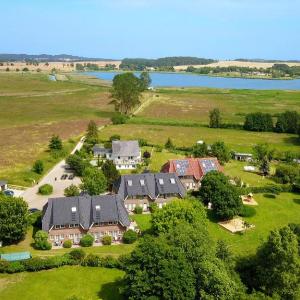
3,185
243,156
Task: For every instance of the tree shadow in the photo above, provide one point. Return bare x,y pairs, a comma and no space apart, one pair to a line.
292,140
270,196
212,216
297,201
111,290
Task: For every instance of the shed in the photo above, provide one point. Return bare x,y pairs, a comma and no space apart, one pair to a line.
243,156
3,185
16,256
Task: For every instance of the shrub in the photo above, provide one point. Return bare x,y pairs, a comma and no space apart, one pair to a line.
119,119
130,236
41,241
287,173
142,142
92,260
46,189
38,167
87,240
146,154
153,207
67,244
247,211
138,210
115,137
106,240
169,144
71,191
11,267
110,262
77,254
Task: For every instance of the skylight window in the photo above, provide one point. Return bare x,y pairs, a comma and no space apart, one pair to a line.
74,209
97,207
142,181
172,180
161,181
129,182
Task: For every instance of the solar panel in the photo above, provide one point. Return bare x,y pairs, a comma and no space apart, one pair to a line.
181,167
207,165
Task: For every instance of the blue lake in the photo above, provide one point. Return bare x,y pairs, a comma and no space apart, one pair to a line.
193,80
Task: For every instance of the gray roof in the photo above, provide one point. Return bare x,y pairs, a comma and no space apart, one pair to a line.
125,148
58,211
100,150
155,184
3,182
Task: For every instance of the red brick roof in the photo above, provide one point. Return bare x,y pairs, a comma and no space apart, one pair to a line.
196,167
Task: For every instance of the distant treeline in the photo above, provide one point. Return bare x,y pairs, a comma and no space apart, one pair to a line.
287,122
276,71
266,60
94,67
143,63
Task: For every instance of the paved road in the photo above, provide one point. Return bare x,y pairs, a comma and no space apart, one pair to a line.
38,201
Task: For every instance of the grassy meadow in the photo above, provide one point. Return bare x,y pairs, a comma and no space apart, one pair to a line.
63,283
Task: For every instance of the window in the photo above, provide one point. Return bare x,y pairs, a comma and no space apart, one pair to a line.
57,226
73,209
51,237
129,182
142,182
62,226
161,181
172,180
61,236
71,236
97,207
71,225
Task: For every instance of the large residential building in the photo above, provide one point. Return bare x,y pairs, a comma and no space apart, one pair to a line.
69,218
126,155
192,170
143,189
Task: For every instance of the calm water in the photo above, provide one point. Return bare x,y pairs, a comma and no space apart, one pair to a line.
192,80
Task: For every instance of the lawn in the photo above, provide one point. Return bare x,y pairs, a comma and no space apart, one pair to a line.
194,104
237,140
35,108
63,283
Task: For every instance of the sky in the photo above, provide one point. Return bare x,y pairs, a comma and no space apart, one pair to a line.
219,29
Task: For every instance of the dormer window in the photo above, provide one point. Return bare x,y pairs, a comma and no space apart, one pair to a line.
142,181
161,181
172,180
129,182
97,207
73,209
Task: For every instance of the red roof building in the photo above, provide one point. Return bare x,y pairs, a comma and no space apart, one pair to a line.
192,170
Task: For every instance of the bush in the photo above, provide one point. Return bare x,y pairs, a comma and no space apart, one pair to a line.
106,240
153,207
287,173
38,167
142,142
138,210
247,211
146,154
71,191
119,119
77,254
67,244
115,137
110,262
46,189
130,236
87,240
11,267
41,241
92,260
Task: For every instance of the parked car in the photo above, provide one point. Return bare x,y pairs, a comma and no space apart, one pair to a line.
71,176
33,210
64,176
9,193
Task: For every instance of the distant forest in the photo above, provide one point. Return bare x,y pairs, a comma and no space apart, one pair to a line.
266,60
162,63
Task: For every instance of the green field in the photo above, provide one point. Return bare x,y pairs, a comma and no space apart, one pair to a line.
63,283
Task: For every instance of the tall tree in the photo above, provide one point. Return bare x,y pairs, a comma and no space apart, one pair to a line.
215,118
55,143
125,92
110,172
145,80
220,150
200,150
92,133
93,181
13,219
288,122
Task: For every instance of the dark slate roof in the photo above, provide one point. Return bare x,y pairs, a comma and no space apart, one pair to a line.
58,211
3,182
100,150
125,148
155,184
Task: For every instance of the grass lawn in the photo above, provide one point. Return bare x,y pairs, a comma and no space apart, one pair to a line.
143,221
62,283
237,140
194,104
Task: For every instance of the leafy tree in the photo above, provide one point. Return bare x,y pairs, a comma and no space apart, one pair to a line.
77,163
110,172
258,122
200,150
55,143
46,189
13,219
125,92
278,264
41,240
287,173
87,240
115,137
145,80
262,151
71,191
215,118
119,119
220,150
288,122
224,197
169,144
92,133
130,236
264,166
93,181
188,210
38,167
